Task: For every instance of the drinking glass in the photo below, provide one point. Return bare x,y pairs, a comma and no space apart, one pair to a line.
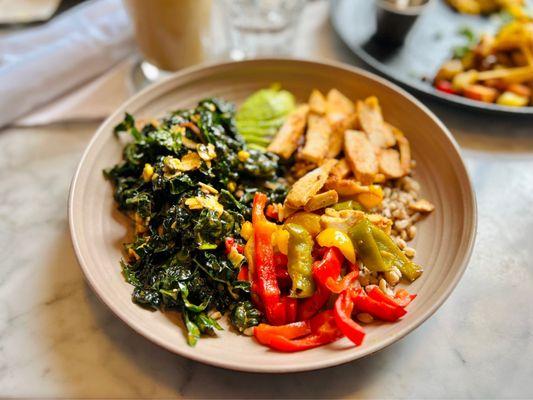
170,34
261,27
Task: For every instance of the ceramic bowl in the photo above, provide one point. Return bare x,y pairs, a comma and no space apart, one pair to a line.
444,240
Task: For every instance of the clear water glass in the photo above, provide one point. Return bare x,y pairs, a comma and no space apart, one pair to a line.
258,28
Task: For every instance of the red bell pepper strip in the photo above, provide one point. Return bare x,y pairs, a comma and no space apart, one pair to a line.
282,274
354,266
402,297
264,332
291,307
243,273
267,284
311,305
329,266
280,260
230,243
378,309
255,297
272,212
308,342
324,331
343,284
343,317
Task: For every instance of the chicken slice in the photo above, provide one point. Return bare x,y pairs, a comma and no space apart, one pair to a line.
371,121
345,187
308,185
341,116
361,157
322,200
341,169
288,137
389,163
317,103
316,139
404,147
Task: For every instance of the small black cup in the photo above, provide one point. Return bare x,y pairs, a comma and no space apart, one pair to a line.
394,22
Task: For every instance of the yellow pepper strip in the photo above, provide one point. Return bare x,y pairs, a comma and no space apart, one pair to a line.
280,239
372,198
247,230
249,255
308,220
331,237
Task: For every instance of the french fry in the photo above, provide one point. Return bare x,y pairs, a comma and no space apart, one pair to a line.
509,75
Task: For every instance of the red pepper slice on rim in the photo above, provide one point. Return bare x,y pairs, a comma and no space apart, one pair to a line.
323,331
402,297
343,317
263,332
378,309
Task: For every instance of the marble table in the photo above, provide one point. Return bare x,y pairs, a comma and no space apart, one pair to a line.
58,340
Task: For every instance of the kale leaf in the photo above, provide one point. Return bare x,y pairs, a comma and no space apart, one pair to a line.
187,181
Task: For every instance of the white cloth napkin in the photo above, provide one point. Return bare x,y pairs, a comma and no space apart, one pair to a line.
92,101
40,64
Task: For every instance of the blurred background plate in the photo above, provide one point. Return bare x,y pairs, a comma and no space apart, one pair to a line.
444,241
429,43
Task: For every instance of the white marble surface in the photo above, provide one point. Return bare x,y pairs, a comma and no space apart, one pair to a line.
58,340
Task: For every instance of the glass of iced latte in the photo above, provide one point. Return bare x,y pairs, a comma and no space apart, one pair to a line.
171,34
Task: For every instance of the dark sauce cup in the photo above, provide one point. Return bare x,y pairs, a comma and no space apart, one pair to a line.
396,18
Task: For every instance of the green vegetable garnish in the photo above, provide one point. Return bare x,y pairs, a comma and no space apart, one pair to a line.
244,315
187,187
471,40
348,205
378,252
261,115
300,261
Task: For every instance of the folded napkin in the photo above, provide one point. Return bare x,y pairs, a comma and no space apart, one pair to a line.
92,101
40,64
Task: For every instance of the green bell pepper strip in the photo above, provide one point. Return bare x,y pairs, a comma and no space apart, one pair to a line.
366,246
348,205
393,255
300,261
379,252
